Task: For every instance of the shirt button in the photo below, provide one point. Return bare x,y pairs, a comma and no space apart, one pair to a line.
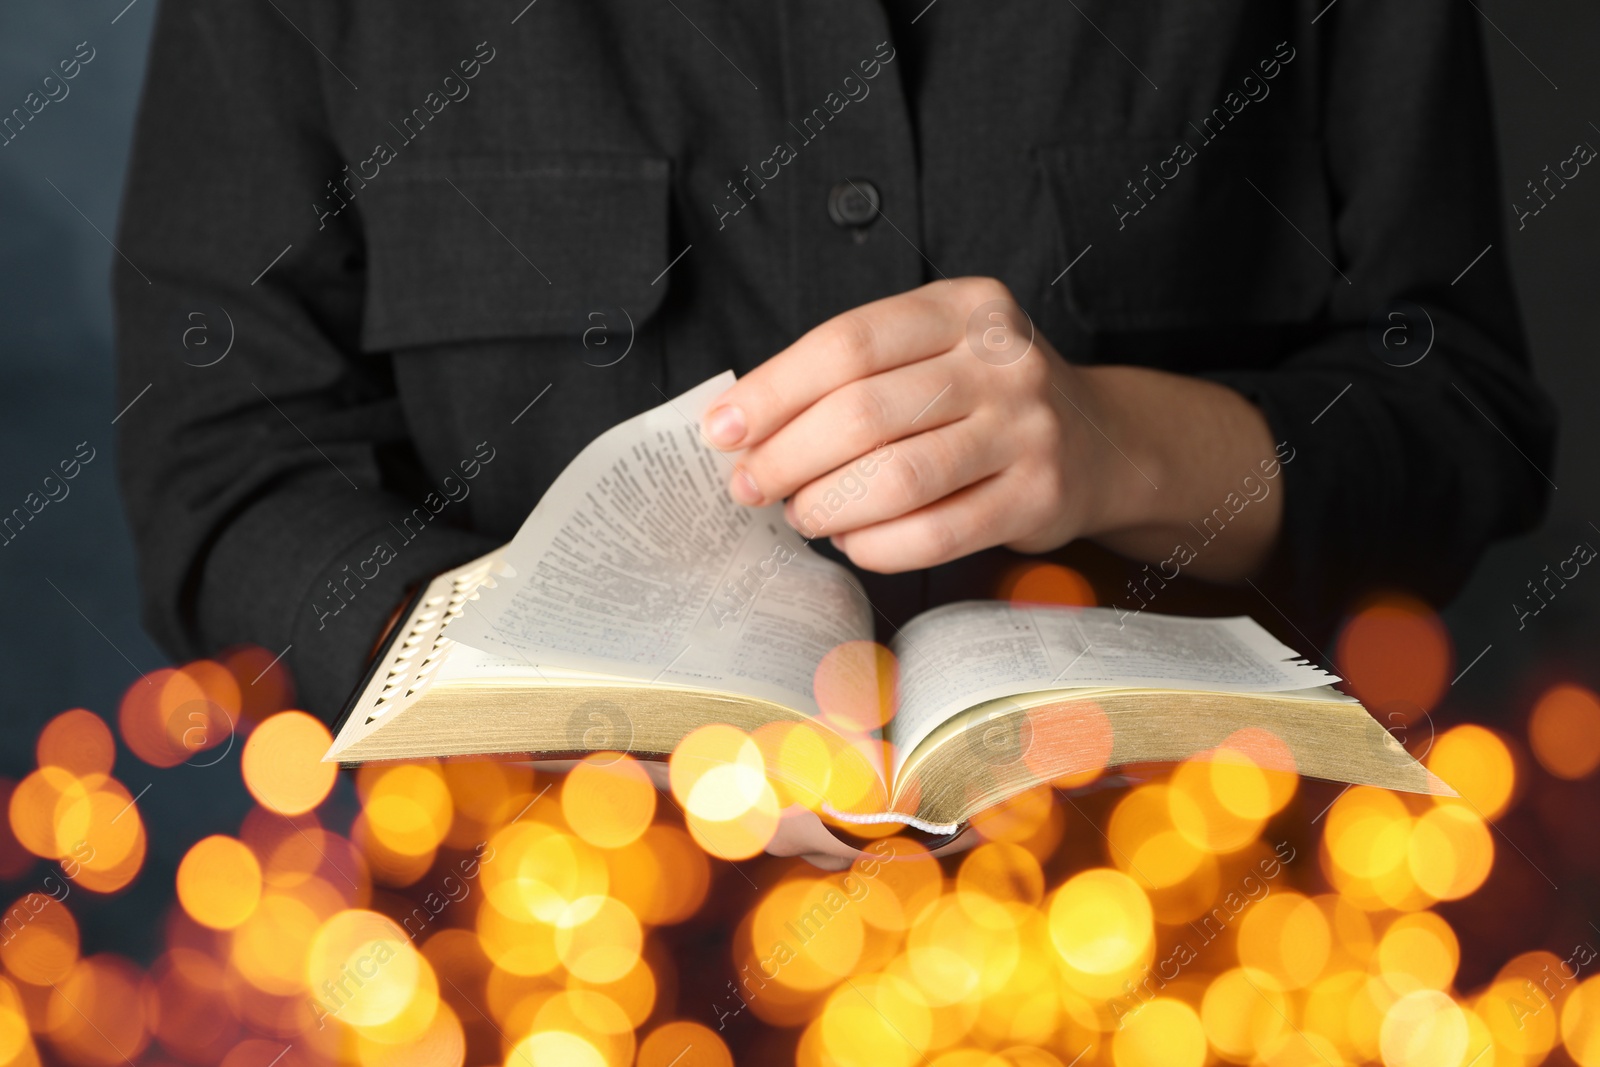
853,203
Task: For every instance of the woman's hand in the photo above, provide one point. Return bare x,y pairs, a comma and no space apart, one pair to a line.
800,832
933,424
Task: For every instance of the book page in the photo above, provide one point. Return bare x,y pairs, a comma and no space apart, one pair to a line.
960,655
465,665
638,564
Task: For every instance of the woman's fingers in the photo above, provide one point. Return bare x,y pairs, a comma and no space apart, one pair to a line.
991,512
850,422
801,833
860,343
904,477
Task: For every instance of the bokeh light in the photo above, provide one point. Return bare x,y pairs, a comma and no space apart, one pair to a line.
1284,941
1396,651
684,1044
1475,761
1424,1028
856,685
718,776
1047,583
41,942
79,742
450,912
1580,1023
219,882
282,763
608,801
173,715
1100,922
1165,1033
1564,731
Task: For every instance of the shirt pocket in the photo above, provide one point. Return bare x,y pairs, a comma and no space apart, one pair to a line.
1234,237
486,248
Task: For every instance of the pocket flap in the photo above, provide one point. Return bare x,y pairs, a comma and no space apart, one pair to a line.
1235,235
475,248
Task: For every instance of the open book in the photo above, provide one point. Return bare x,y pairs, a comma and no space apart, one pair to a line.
639,602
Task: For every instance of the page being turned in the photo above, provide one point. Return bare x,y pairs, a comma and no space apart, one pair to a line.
637,563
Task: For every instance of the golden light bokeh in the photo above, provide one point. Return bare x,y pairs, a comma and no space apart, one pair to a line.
79,742
807,934
673,875
90,825
856,685
1367,844
719,778
1564,731
1418,951
1001,871
961,949
1146,843
408,807
282,763
1396,652
1165,1033
1450,852
682,1043
16,1040
174,714
95,1016
554,1048
445,913
1284,941
100,833
1219,802
1100,922
1240,1017
608,800
1047,583
219,882
35,801
800,759
1580,1023
878,1020
1253,773
150,713
1478,765
41,940
593,1017
598,939
268,949
364,970
1424,1028
539,871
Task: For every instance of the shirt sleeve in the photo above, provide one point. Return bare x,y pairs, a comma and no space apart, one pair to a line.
258,483
1403,474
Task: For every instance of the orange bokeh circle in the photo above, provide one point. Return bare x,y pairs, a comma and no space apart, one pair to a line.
1396,649
1564,731
282,763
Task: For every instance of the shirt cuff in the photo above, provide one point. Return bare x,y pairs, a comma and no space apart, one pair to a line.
315,571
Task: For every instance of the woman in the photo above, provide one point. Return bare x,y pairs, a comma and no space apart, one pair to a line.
1209,303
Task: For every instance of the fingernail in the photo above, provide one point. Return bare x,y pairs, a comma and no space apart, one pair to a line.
744,488
725,426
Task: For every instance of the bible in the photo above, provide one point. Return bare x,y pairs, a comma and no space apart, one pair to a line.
638,603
